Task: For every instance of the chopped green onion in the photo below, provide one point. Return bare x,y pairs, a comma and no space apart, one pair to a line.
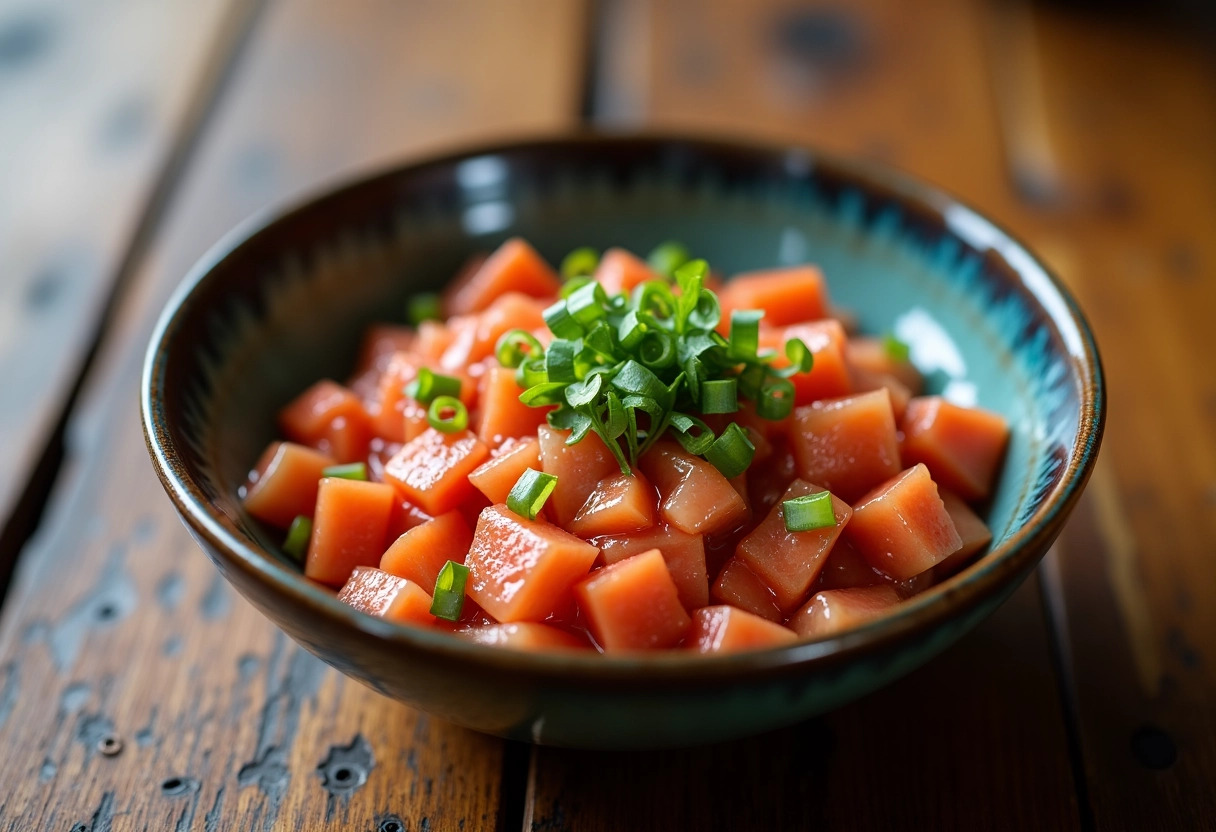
430,385
515,346
560,322
580,263
719,396
586,304
896,349
559,362
745,333
657,349
298,535
424,307
448,600
776,400
457,421
693,434
800,357
731,452
528,495
349,471
668,257
813,511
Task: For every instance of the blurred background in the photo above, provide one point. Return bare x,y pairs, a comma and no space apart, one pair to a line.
135,133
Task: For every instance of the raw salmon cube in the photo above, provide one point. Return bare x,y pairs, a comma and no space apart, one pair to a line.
846,568
475,337
695,497
520,570
284,483
829,376
380,343
788,295
962,446
422,551
331,418
513,267
617,505
387,596
432,471
578,468
789,562
847,445
525,635
837,610
497,476
348,529
633,604
872,356
740,587
389,406
902,527
620,271
684,554
405,516
726,629
502,415
971,529
865,381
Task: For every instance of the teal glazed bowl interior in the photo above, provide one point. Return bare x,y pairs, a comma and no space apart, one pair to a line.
282,302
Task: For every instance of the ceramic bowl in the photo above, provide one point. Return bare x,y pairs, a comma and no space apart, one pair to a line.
281,302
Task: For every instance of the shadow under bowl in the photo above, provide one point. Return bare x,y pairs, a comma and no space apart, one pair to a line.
283,300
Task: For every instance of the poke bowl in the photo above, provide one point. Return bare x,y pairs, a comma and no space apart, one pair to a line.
286,298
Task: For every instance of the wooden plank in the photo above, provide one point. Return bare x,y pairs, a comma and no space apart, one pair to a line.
1131,113
95,99
117,624
976,739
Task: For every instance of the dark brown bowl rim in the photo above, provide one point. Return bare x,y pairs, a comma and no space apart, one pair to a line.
1011,561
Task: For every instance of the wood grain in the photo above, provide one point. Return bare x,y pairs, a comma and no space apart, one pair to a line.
95,97
117,625
976,739
1132,117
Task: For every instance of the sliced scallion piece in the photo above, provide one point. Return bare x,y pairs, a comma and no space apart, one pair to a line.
349,471
531,490
813,511
668,257
896,349
298,535
515,346
580,263
719,396
447,602
429,385
731,452
424,307
456,418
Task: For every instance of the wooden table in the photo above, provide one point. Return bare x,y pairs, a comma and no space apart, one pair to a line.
138,692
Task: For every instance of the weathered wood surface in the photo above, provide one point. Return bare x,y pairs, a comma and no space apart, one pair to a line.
117,625
1132,122
97,101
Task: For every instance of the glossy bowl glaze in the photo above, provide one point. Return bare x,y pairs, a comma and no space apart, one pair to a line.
282,301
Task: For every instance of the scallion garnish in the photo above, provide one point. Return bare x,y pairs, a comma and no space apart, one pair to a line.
430,385
424,307
349,471
580,263
719,396
298,535
896,349
531,490
448,598
447,414
813,511
731,452
668,257
635,367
